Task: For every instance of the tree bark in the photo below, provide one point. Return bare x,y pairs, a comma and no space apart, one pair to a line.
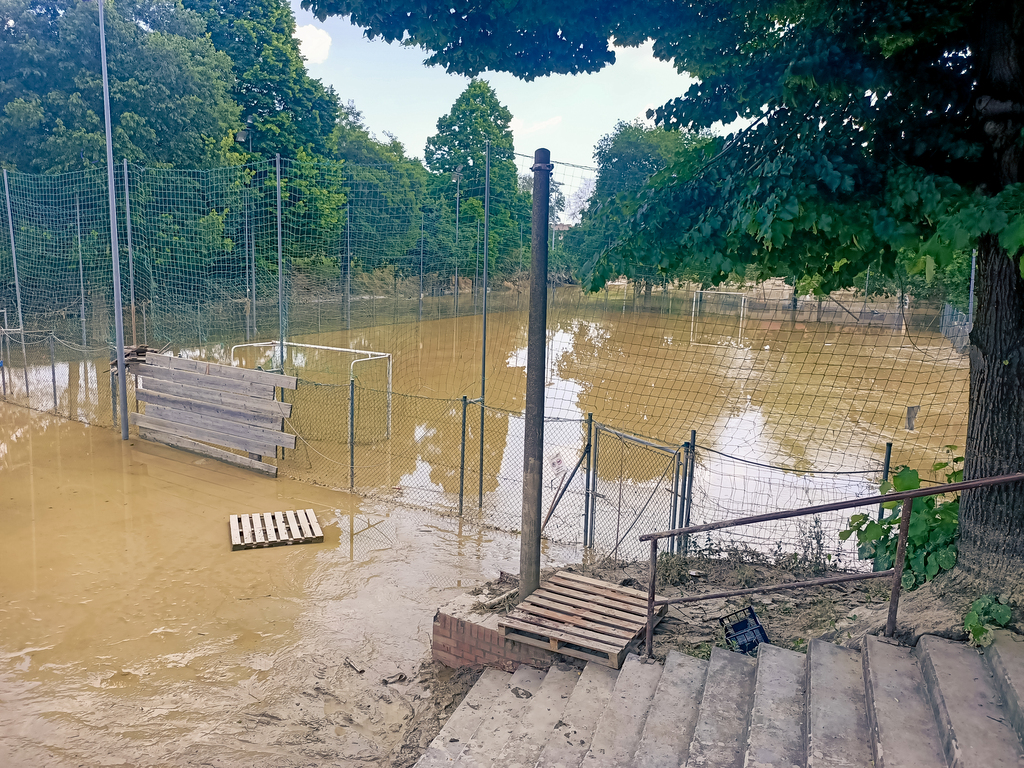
991,549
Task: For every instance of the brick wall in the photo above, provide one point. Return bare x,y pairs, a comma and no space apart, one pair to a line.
459,643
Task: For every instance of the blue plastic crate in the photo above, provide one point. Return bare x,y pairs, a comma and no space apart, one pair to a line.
743,630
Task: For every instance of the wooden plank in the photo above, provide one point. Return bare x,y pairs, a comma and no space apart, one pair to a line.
246,530
282,529
257,527
608,616
586,636
215,397
608,591
594,600
204,435
241,415
231,386
599,583
270,437
185,444
225,371
236,535
601,658
578,621
555,634
268,524
293,526
314,526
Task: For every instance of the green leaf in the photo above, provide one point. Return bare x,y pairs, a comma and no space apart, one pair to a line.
908,581
1001,614
906,479
1012,236
946,558
931,568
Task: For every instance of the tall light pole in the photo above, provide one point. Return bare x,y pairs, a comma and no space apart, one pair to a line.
114,253
457,178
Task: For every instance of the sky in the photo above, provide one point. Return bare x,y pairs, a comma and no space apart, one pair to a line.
397,94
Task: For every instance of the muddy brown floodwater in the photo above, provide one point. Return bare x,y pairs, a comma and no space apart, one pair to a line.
131,634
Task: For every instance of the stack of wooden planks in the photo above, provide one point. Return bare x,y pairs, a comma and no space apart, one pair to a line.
581,617
197,406
298,526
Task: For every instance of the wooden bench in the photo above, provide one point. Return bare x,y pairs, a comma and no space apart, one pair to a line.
197,406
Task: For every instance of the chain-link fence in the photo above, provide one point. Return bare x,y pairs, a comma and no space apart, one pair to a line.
376,287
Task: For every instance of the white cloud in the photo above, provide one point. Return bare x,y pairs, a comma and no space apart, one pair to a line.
314,43
522,128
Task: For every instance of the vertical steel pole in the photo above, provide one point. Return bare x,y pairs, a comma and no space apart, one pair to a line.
252,251
897,572
885,473
586,480
131,255
483,345
352,433
248,303
17,283
533,438
115,254
53,373
421,265
674,514
81,268
348,268
280,261
651,590
593,483
462,457
687,510
681,514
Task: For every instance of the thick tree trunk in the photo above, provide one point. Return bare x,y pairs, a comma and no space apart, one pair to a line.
991,558
992,519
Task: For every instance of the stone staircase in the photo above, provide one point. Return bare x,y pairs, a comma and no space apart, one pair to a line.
940,704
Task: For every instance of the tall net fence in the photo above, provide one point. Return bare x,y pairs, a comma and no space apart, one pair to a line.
787,395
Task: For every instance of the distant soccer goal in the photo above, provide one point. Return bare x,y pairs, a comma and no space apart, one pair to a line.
718,318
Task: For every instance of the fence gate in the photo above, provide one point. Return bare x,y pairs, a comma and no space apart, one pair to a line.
636,488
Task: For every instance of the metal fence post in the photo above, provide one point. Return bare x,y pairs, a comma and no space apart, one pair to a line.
131,255
17,284
688,498
897,568
483,345
593,482
421,264
351,433
586,476
53,372
280,261
81,269
348,269
885,474
674,541
462,457
533,437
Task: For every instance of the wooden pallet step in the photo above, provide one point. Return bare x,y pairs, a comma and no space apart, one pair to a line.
274,529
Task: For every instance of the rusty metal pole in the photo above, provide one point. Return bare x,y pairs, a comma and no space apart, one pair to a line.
651,587
533,438
897,575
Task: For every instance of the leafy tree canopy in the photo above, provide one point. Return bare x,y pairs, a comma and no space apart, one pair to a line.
170,90
284,107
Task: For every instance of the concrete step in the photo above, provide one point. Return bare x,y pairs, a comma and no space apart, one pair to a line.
467,717
666,738
1006,660
775,735
568,742
904,733
500,719
720,735
973,724
538,721
837,719
622,723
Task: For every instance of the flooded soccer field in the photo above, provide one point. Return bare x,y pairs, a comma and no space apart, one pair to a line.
131,634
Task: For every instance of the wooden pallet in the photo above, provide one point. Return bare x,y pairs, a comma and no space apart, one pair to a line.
273,529
581,617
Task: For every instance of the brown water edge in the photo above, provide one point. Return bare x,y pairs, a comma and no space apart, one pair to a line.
130,633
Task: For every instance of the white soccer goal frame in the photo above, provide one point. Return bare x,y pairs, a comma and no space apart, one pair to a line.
693,315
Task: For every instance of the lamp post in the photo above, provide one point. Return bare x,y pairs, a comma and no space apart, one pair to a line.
245,134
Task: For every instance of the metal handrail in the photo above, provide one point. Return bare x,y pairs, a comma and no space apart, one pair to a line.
896,572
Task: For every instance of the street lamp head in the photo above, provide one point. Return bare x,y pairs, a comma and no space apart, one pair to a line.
242,136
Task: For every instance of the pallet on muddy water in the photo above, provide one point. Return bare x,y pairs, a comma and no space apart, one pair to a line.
581,617
274,529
